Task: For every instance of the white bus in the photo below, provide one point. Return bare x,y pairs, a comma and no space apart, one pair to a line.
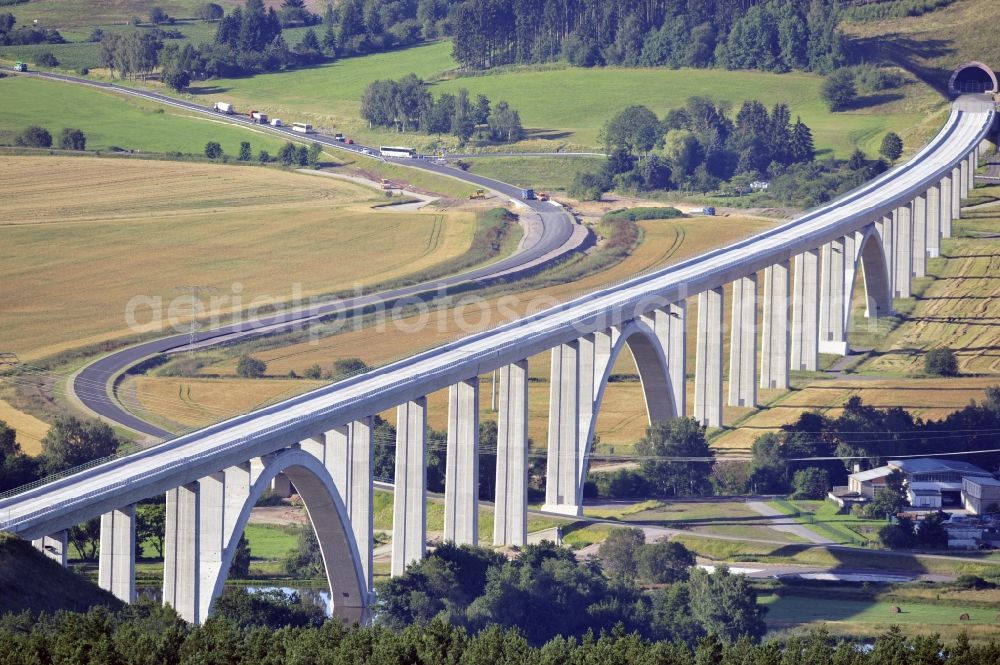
390,151
302,127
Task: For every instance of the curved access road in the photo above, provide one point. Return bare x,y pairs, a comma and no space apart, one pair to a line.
552,234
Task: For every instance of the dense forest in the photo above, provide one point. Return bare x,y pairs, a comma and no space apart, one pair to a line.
146,634
735,34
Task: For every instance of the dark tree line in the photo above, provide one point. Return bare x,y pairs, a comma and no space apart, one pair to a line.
11,36
267,628
863,431
69,442
735,34
546,594
407,105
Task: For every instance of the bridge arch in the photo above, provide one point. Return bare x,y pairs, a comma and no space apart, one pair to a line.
329,520
871,262
973,76
651,361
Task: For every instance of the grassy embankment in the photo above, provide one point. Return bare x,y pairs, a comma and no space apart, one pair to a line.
31,580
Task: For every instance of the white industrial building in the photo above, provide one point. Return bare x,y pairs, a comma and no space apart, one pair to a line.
930,483
979,494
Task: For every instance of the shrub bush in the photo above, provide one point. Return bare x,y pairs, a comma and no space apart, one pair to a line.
34,137
941,362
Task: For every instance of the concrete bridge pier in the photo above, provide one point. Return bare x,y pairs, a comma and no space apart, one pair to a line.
957,194
965,171
775,331
805,312
677,354
181,545
903,252
885,228
562,492
510,520
934,221
853,243
461,494
54,546
743,343
832,337
116,563
708,362
409,515
920,236
946,208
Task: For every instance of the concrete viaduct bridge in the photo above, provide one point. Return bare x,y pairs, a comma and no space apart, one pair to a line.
322,441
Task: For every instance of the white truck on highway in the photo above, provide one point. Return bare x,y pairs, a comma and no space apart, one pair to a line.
223,107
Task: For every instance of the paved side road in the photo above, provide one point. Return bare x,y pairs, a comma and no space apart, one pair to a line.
786,523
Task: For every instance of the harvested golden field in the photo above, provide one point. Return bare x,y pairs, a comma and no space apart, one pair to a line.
623,418
926,398
81,237
960,310
30,430
665,242
186,403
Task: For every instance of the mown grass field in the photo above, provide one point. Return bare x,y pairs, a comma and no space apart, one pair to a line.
542,173
80,13
715,518
111,120
862,617
567,106
792,553
960,309
104,231
824,518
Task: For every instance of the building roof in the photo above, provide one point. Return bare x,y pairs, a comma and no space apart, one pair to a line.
925,489
872,474
984,482
933,465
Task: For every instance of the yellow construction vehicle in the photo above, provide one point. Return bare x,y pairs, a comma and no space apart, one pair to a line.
478,194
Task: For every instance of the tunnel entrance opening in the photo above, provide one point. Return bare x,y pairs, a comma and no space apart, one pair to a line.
973,77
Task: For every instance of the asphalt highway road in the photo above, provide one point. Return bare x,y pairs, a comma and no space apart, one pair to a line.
92,385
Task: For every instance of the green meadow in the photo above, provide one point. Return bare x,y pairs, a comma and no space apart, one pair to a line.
110,119
565,107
